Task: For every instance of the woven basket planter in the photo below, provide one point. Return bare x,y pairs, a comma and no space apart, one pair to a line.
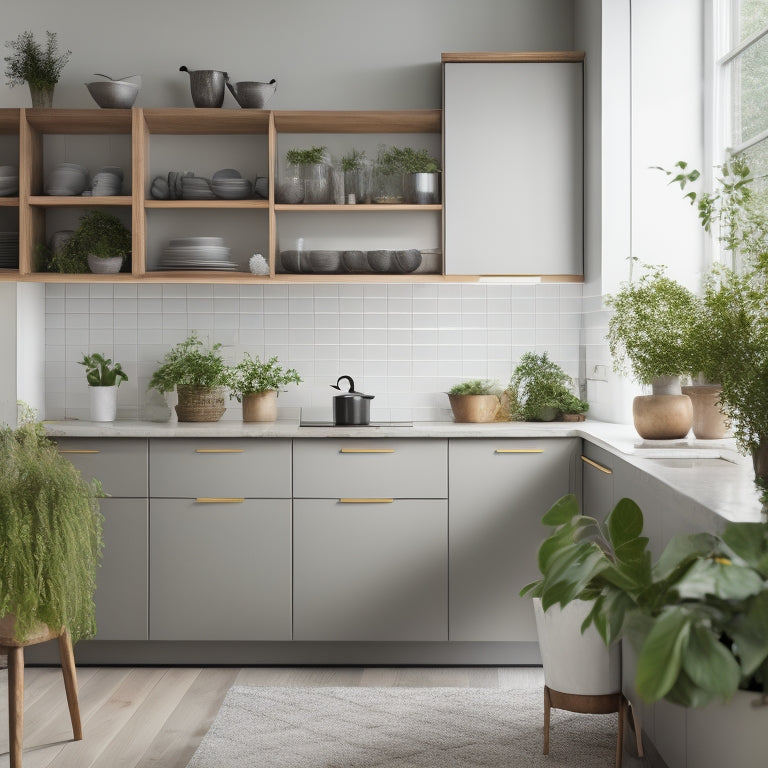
200,403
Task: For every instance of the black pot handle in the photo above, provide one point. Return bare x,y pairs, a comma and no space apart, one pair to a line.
341,378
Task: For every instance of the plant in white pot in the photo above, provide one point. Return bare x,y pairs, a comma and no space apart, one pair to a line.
648,335
103,379
101,244
256,384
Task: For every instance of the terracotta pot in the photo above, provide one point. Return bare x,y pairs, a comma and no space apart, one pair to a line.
260,406
662,417
709,422
474,408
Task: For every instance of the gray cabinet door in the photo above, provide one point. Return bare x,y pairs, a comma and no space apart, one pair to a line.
121,581
370,571
498,493
220,571
596,481
513,168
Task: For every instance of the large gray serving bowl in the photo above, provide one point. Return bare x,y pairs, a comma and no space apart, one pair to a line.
113,94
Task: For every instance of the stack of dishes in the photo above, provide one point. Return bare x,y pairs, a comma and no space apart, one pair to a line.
196,188
66,180
197,253
9,180
108,181
228,184
9,250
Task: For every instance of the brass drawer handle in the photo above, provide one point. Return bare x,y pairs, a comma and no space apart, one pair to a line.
367,450
78,451
219,450
211,500
596,465
366,501
519,450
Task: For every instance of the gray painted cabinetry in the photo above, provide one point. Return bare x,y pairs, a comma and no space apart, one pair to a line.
597,481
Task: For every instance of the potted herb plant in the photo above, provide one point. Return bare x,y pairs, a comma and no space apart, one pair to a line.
475,401
649,335
100,243
50,536
40,67
540,390
103,379
358,175
256,384
198,374
404,173
312,167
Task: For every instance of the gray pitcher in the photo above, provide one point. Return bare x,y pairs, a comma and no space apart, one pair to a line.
207,86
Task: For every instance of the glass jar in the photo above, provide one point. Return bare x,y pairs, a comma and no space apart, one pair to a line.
388,188
290,185
317,183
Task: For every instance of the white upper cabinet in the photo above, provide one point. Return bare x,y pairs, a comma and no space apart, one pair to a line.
513,141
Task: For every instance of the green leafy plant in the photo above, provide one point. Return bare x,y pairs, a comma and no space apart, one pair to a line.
50,534
649,333
353,160
30,63
475,387
252,375
401,160
189,363
539,384
310,156
100,372
99,234
698,617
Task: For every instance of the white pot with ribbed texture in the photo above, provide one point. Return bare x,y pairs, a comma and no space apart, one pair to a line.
103,403
575,662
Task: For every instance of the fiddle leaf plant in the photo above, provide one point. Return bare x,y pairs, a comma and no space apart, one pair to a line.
100,372
252,375
189,363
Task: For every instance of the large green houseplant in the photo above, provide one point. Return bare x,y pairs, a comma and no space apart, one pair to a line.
256,383
198,374
50,535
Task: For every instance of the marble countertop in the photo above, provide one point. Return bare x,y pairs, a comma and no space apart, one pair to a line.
710,473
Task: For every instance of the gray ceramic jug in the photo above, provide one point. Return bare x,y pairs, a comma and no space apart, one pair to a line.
207,86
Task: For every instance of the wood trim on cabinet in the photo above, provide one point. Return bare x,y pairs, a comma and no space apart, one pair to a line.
353,121
514,57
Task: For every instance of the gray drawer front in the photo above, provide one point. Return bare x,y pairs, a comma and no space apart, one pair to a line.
119,463
205,467
220,571
370,571
404,469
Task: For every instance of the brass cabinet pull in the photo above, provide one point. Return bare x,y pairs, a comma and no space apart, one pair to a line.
519,450
366,501
219,450
367,450
78,451
210,500
596,465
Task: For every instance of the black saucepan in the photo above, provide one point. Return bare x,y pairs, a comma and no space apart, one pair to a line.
351,408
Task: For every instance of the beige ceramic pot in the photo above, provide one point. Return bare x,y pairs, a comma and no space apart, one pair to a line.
474,408
260,406
709,422
662,417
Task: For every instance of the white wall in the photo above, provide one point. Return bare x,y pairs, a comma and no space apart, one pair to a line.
8,353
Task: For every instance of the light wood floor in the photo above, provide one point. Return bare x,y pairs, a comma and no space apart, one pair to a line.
153,716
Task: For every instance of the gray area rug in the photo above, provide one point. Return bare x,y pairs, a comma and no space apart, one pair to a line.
274,727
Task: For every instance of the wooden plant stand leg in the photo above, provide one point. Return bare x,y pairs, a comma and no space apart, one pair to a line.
16,703
547,707
70,682
638,729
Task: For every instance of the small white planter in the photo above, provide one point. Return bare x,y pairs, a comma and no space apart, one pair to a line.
103,401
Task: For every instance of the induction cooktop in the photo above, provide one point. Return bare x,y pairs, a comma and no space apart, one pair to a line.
320,417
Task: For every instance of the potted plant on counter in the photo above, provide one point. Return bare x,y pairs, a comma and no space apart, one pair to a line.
103,380
39,67
256,384
648,335
100,243
476,401
198,375
540,390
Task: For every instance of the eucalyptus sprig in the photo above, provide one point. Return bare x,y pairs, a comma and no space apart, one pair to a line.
31,63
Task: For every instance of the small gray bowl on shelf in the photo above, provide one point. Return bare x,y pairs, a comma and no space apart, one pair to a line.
113,94
406,261
381,260
325,261
355,261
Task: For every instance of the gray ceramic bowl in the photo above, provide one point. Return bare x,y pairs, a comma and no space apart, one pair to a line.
325,261
113,94
355,261
293,261
406,261
380,261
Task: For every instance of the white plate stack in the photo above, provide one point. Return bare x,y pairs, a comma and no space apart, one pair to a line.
66,180
9,180
208,253
9,250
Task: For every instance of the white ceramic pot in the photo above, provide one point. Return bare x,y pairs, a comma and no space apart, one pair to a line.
103,403
575,662
105,266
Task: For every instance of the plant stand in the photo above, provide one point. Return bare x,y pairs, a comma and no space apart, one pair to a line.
15,651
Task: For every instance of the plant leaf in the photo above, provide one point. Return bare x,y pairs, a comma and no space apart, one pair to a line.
624,523
709,664
749,631
562,511
661,656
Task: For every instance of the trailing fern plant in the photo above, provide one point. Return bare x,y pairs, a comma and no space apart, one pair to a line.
50,534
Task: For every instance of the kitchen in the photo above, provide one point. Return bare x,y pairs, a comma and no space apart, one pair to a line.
407,343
